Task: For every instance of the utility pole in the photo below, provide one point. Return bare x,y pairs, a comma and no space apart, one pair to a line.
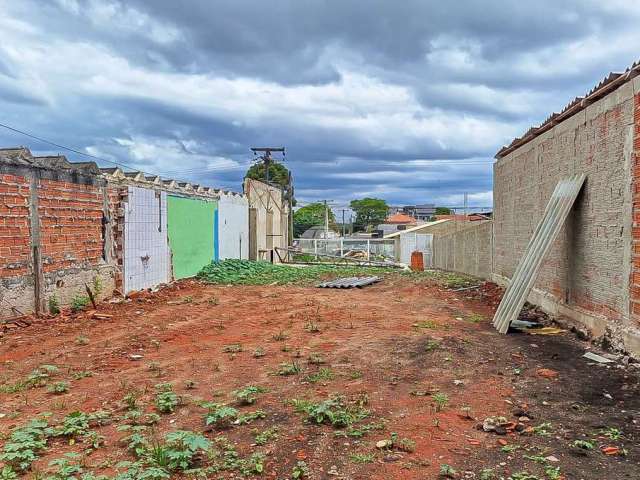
266,157
465,203
343,222
326,220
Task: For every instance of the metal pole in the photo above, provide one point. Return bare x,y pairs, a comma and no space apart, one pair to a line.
343,225
315,247
368,249
326,220
342,246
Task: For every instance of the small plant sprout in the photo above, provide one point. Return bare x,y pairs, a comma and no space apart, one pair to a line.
248,395
312,327
583,444
440,400
82,340
58,388
323,375
281,336
232,348
218,415
362,457
190,384
447,471
166,400
611,433
259,352
544,429
300,471
264,437
316,359
54,305
287,369
466,411
78,303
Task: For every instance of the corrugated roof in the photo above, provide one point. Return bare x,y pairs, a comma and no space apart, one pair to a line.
413,229
611,82
400,218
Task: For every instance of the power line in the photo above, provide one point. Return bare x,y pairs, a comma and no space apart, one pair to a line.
118,164
70,149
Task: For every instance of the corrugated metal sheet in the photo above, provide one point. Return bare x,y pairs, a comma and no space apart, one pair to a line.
350,282
547,230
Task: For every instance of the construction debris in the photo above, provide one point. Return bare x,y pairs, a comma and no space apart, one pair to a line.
547,230
597,358
350,282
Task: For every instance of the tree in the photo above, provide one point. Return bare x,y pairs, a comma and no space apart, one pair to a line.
310,216
278,174
369,212
443,211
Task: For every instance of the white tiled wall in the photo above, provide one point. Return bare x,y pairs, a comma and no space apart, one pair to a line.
146,246
233,227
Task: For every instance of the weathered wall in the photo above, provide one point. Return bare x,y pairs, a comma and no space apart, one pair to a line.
191,234
52,238
147,260
233,227
467,251
72,238
272,213
16,274
586,274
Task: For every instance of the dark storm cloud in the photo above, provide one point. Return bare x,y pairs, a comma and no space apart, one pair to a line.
406,101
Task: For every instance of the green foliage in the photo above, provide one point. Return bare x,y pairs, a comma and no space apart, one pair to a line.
79,303
552,473
523,476
250,417
443,211
440,400
264,437
58,387
182,446
447,471
8,473
322,375
287,369
369,212
362,457
583,444
300,471
219,415
66,467
246,272
278,173
611,433
24,444
544,429
334,412
166,399
311,215
487,474
54,305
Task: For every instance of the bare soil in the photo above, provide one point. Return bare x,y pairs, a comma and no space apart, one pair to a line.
390,346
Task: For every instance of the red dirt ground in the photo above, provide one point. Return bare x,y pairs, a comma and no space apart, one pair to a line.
392,344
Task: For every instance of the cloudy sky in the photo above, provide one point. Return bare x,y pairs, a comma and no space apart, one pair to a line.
406,101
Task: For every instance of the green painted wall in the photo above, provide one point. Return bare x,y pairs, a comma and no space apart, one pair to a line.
191,234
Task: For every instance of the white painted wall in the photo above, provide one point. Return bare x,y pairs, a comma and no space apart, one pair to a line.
146,247
233,227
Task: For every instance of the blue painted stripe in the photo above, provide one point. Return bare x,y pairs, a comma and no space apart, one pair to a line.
216,237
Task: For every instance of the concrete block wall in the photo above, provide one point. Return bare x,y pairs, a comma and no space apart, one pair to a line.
586,274
468,250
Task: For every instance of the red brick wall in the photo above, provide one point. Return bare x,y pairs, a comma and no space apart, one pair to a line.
634,281
15,248
71,232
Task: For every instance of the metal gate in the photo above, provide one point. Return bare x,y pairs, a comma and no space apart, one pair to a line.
421,242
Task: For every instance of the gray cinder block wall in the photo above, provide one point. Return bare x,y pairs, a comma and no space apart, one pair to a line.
468,250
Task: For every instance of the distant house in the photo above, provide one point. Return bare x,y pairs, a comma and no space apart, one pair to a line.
421,213
396,222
